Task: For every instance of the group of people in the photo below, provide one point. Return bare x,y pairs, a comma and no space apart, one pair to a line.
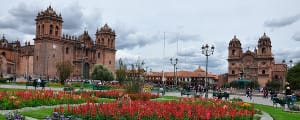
39,83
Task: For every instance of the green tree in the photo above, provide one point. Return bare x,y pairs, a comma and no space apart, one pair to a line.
273,85
293,76
102,73
121,72
136,82
64,70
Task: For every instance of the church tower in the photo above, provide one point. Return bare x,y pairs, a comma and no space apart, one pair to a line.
265,59
105,42
234,54
48,31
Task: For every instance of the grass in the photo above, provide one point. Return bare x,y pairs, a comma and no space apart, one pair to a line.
2,117
166,98
38,114
106,100
278,113
10,89
298,102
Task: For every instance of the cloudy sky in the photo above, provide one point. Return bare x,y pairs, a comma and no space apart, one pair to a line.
141,25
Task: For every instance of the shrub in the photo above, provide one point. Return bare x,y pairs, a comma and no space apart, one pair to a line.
3,80
236,100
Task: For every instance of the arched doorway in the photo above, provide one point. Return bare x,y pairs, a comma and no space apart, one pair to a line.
86,71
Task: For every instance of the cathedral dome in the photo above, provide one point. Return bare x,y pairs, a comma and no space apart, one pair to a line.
49,12
106,29
235,42
264,40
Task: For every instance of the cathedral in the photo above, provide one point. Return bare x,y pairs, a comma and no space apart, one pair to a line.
52,46
257,65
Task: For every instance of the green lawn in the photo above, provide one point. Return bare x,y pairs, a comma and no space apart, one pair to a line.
166,98
10,89
278,113
2,117
38,114
106,100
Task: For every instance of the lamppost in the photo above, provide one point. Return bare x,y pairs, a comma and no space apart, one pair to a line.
15,59
82,69
287,68
174,63
207,51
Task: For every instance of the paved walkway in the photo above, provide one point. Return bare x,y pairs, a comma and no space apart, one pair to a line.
255,99
15,86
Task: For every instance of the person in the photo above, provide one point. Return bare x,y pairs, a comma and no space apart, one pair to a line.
39,82
272,93
249,93
42,84
35,83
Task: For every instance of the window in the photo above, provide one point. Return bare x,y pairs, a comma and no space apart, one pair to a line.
43,29
109,62
233,52
51,29
67,50
3,53
102,41
232,64
99,54
263,72
39,30
263,50
233,72
276,77
263,63
56,30
86,53
37,58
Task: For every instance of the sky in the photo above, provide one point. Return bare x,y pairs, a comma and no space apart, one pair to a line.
156,30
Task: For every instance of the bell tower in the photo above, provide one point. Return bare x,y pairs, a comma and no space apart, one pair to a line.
47,37
48,24
264,46
234,55
105,42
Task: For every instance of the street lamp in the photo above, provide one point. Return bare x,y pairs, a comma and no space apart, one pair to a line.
207,51
174,63
15,59
82,71
288,66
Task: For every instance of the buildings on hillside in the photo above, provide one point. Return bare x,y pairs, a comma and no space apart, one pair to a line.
257,65
52,46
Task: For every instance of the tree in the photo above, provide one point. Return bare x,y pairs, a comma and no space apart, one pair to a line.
293,76
102,73
273,85
64,70
121,72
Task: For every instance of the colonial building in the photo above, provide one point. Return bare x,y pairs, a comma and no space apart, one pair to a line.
196,77
257,65
52,46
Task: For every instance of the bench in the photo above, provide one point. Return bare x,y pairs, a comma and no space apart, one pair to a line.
188,92
289,100
220,95
158,90
101,87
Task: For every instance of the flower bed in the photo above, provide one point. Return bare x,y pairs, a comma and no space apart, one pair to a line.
31,98
114,94
191,108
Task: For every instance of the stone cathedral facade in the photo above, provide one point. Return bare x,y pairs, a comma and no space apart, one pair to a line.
52,46
257,65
